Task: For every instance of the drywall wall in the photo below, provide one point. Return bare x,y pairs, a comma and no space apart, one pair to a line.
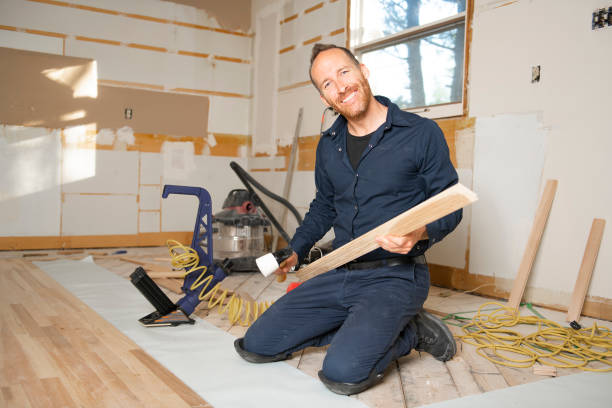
187,81
231,15
529,132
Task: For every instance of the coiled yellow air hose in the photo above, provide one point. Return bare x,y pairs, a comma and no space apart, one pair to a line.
239,311
551,344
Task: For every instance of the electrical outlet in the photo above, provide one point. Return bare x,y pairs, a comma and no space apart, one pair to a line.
601,18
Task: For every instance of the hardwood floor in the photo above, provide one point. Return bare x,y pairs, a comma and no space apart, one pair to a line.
55,351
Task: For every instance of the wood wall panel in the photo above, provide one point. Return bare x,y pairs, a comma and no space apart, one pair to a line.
41,90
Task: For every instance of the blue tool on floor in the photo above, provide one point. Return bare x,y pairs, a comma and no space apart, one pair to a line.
203,269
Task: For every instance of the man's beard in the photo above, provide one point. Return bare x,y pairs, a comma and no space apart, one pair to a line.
357,110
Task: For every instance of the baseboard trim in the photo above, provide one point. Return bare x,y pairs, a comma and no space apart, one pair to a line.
460,279
93,241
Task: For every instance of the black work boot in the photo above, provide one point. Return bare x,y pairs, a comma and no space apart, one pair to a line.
257,358
434,337
350,388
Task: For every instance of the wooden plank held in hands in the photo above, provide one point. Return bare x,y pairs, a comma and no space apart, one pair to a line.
444,203
533,243
586,270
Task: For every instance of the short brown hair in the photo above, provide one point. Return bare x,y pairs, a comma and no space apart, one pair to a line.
319,48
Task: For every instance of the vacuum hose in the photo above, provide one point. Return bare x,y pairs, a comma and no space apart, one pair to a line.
247,180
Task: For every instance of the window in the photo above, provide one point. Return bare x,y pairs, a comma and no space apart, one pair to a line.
414,50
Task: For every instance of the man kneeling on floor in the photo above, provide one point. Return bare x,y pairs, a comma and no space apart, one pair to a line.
374,163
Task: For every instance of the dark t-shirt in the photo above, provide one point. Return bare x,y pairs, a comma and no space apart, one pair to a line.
355,145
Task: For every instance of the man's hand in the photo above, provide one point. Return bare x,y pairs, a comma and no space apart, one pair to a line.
401,244
285,266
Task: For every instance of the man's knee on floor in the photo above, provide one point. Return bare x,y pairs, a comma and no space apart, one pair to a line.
254,343
345,369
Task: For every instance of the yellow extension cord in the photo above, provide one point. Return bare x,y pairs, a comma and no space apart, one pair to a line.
551,344
238,310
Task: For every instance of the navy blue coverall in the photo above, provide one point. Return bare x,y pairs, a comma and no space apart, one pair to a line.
364,315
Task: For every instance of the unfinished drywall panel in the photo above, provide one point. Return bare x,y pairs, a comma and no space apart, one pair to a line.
29,42
321,21
123,63
151,168
211,173
149,221
579,157
212,43
231,77
229,115
106,26
509,155
164,70
267,163
179,212
265,76
235,15
150,8
225,77
494,33
99,214
150,197
178,159
290,102
106,22
30,181
113,172
451,251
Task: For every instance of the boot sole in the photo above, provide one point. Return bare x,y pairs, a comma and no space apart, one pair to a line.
451,348
258,358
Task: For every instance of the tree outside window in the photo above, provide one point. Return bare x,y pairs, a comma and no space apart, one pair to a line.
414,49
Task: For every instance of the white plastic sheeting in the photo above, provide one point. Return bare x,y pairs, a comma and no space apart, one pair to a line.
202,355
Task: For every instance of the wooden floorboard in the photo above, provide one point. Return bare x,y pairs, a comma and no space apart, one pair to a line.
55,351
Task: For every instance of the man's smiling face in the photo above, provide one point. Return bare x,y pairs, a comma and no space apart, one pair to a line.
341,83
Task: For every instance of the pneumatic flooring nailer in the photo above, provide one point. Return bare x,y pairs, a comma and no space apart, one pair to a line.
168,313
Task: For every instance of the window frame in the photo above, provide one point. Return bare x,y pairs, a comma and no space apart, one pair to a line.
438,111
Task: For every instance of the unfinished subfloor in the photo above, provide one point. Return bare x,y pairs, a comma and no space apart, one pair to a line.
55,351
